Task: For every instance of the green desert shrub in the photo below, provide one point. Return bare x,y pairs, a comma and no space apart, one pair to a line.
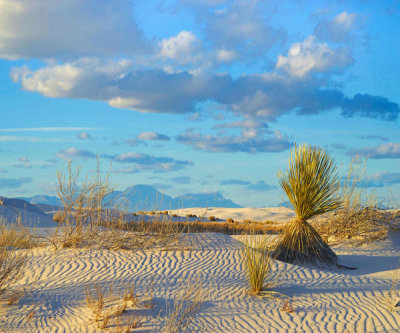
258,265
311,184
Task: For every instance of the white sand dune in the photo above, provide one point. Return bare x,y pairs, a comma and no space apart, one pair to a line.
276,214
324,300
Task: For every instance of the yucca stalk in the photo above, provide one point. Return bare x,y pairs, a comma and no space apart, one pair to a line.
311,184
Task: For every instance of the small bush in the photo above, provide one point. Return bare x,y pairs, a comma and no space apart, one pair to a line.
186,305
58,217
358,219
392,298
258,266
211,218
105,305
11,267
230,220
15,236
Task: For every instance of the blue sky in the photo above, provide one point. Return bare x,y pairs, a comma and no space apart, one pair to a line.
195,96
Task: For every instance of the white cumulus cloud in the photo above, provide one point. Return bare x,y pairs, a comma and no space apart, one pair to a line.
310,56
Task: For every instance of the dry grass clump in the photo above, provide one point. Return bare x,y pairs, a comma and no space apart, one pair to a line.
11,267
106,306
235,228
15,235
58,216
186,305
258,266
212,218
88,218
83,204
392,298
12,262
311,184
359,218
159,233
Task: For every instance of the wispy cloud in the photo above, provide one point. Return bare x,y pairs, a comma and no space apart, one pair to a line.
261,186
23,166
153,136
235,143
84,136
182,180
373,137
385,150
48,129
27,139
72,152
147,136
233,181
14,182
380,179
143,162
339,29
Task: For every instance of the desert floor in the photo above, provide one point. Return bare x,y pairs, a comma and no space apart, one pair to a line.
323,300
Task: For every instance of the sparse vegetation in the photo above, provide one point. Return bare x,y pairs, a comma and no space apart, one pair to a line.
11,267
392,298
312,186
186,305
258,265
177,228
230,220
106,306
58,216
211,218
15,235
84,206
288,307
89,219
359,218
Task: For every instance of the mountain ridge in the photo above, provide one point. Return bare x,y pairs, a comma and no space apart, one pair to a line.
147,197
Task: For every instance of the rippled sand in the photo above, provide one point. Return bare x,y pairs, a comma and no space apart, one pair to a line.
324,300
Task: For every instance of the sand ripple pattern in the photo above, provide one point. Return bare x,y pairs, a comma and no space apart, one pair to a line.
325,301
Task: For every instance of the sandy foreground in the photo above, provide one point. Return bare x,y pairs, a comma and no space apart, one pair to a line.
323,300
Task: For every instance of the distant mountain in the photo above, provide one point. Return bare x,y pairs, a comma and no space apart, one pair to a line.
204,200
146,197
43,199
142,197
13,209
20,205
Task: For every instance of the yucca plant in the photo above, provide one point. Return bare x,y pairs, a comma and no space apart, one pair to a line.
311,184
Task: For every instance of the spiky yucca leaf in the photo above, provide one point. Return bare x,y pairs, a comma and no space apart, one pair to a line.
310,182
